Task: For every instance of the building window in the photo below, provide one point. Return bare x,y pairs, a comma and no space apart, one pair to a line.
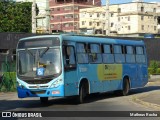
142,27
69,16
155,27
83,22
52,26
90,14
76,7
142,9
129,27
67,8
112,14
58,9
104,15
52,17
98,15
155,18
119,18
76,16
58,17
112,24
142,17
97,23
90,23
52,10
154,9
119,10
129,18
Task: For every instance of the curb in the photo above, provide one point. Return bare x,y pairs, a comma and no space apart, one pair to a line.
147,104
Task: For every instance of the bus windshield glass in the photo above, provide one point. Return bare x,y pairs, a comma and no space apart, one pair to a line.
40,62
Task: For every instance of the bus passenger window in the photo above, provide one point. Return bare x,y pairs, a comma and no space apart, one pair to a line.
95,53
130,56
82,55
107,54
119,57
140,56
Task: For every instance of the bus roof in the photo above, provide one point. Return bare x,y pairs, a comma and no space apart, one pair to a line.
102,40
93,39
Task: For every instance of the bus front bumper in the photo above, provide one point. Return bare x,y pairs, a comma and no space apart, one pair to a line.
50,92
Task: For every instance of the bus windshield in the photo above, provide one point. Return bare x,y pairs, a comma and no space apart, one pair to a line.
30,60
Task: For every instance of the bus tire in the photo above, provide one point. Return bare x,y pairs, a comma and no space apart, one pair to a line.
44,100
126,87
82,94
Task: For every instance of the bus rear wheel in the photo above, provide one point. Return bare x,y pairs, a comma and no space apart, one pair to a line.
82,94
126,87
44,100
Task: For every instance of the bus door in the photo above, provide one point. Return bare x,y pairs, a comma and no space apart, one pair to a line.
70,71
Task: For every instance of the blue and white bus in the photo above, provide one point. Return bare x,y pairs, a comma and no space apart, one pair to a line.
70,65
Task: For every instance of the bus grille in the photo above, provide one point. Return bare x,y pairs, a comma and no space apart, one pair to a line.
37,81
38,92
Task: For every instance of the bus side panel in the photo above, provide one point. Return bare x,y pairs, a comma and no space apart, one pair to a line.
143,75
71,82
92,74
131,71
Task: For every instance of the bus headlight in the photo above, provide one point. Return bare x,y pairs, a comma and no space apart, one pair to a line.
57,83
20,85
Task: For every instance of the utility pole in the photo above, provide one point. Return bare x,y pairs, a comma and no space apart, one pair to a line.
107,19
34,16
48,17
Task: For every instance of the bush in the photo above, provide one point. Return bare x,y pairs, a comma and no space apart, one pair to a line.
150,71
9,82
153,67
158,71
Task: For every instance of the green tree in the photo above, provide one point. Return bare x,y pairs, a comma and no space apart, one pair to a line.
15,17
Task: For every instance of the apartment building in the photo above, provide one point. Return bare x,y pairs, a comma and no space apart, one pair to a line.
128,19
42,19
64,14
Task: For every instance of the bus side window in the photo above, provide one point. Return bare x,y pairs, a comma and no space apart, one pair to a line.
82,53
130,56
95,53
107,55
119,56
140,55
69,57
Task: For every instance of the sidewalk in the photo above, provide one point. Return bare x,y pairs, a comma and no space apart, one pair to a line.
150,99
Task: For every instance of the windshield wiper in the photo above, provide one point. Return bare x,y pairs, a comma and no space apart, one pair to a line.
45,50
29,52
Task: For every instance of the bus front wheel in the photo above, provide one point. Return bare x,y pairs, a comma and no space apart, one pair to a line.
126,87
44,100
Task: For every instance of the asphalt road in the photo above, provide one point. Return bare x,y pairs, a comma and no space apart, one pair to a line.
101,102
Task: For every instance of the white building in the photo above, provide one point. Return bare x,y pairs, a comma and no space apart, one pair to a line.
42,19
129,19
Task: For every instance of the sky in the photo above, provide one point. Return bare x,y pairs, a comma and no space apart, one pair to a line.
125,1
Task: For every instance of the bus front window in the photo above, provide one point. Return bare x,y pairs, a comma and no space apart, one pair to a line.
31,60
